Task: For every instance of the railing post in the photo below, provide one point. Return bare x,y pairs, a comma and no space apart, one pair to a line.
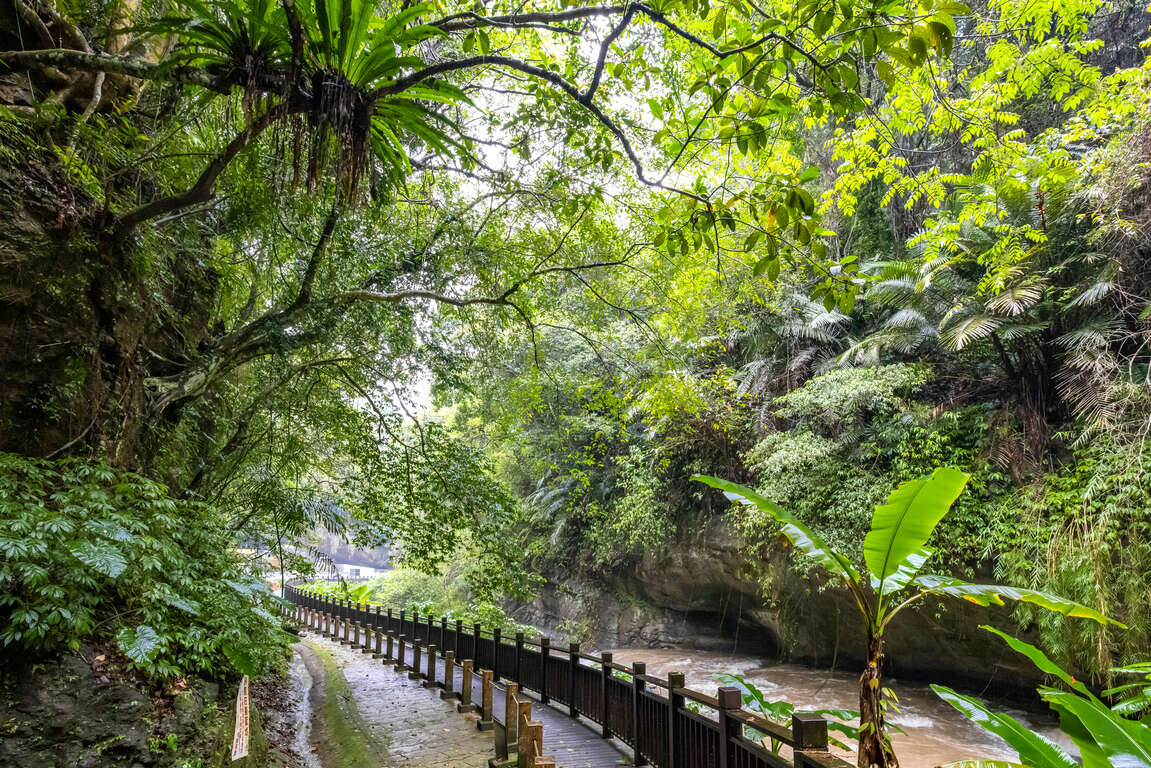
345,632
402,657
401,632
545,652
443,633
730,700
809,731
523,717
459,636
511,711
449,691
485,723
430,681
605,669
357,640
496,654
431,629
388,648
519,671
531,741
416,659
675,681
466,704
379,647
415,626
390,630
573,669
638,670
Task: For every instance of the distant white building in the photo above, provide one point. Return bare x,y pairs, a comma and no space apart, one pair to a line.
354,571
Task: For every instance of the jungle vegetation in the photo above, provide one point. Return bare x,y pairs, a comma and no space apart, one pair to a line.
491,282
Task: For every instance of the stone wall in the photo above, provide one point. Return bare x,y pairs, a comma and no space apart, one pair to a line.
702,593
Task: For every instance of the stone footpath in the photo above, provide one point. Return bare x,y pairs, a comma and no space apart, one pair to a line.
419,729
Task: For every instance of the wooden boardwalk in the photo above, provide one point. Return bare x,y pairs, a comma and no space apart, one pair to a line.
574,742
663,721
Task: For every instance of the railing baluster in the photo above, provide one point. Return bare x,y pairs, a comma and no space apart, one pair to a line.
573,668
675,680
638,670
519,672
605,678
496,654
545,652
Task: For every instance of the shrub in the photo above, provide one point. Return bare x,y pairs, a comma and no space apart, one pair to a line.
88,552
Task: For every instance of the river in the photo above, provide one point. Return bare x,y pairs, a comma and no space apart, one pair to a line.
934,733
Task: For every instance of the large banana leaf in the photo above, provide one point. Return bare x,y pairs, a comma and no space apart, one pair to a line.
801,537
1040,660
994,594
1034,750
1126,743
904,574
901,527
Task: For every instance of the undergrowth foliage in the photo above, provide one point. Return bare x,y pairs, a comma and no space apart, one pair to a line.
91,554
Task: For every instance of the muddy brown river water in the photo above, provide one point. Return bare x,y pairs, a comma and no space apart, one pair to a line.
934,733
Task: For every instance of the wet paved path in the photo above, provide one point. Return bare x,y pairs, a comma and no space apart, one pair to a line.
418,729
425,731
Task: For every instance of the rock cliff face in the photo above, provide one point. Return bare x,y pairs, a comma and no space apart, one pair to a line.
76,712
702,593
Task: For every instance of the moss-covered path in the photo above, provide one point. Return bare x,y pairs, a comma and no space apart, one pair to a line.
365,715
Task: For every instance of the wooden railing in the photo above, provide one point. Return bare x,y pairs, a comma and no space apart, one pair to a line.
666,724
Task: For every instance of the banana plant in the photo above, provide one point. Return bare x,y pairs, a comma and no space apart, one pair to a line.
1104,736
894,552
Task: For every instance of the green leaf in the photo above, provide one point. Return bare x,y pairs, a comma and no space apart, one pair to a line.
241,660
1034,750
139,644
801,537
1040,660
1126,743
101,557
904,574
994,594
901,527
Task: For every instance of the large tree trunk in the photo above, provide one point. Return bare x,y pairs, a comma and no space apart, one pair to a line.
874,747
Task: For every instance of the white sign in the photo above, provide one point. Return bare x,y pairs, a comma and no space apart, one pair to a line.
240,740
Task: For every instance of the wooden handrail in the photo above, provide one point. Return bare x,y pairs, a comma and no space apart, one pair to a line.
644,695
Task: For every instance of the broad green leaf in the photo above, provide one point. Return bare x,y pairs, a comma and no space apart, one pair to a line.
905,573
1034,750
994,594
1040,660
101,557
901,527
139,644
1126,743
801,537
